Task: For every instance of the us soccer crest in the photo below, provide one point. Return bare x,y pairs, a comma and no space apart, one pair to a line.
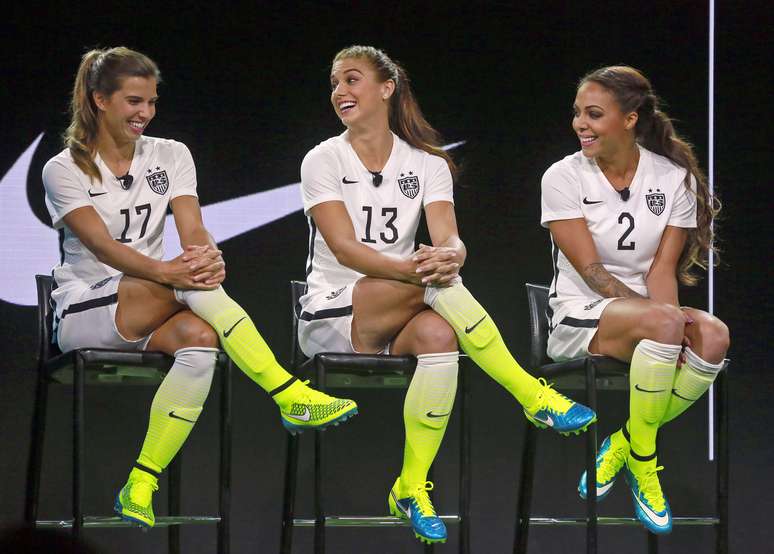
158,181
409,186
656,201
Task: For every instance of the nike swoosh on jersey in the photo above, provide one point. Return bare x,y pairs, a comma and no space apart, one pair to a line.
34,246
639,388
470,329
93,194
348,182
587,201
306,416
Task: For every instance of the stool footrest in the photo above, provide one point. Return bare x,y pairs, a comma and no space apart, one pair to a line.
114,521
602,520
366,521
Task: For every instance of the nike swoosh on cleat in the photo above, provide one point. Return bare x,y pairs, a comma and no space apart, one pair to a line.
174,415
306,416
93,194
470,329
348,182
674,391
587,201
228,332
604,488
431,414
661,521
548,420
20,225
646,390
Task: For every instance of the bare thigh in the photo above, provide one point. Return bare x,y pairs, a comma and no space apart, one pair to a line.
143,306
380,309
625,322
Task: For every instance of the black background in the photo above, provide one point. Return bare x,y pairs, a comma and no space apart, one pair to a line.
246,89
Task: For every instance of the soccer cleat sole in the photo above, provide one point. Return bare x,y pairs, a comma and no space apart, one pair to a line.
118,508
428,541
400,515
294,429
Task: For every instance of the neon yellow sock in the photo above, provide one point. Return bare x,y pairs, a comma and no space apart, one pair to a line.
480,339
426,412
650,386
238,335
177,405
692,380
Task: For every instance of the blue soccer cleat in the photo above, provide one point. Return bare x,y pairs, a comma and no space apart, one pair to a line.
552,409
611,458
418,509
650,505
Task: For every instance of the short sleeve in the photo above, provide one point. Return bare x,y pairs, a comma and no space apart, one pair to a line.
319,180
559,195
65,191
440,185
184,181
684,209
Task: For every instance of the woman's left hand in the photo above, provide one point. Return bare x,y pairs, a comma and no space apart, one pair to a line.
438,265
208,266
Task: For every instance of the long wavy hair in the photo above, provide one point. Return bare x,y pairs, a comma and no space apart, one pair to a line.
405,116
655,131
100,71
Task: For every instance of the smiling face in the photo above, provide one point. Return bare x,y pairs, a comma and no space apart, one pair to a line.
125,114
603,129
357,95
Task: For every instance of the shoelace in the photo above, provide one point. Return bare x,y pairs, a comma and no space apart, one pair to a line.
547,392
311,396
422,499
614,466
650,489
143,490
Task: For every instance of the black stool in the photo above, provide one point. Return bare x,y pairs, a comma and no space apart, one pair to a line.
601,372
360,371
99,366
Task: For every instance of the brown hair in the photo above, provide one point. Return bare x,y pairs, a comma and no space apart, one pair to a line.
405,117
654,131
100,71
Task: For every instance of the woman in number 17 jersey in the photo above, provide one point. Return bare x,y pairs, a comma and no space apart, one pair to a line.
370,291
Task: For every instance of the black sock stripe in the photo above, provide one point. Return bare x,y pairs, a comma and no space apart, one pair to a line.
625,432
283,386
146,469
640,458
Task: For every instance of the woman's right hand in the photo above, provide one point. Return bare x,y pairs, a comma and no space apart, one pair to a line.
179,273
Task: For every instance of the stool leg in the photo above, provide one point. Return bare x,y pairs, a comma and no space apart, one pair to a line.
464,508
289,494
35,461
652,543
224,497
173,502
591,464
524,503
319,489
78,414
721,417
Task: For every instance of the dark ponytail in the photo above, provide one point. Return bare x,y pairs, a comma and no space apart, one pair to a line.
655,131
405,116
100,71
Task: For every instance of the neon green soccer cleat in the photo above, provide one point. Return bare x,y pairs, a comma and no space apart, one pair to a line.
135,501
312,409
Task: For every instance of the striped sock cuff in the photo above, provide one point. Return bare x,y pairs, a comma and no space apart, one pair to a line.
702,365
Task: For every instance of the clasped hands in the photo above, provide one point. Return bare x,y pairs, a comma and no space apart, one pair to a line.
198,267
436,266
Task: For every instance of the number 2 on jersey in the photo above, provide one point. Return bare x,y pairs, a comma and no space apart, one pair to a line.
626,216
391,214
127,220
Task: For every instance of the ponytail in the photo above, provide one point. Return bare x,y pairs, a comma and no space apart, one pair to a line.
405,117
100,71
655,131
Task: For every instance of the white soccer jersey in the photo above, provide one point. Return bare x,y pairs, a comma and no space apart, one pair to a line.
626,233
385,218
161,169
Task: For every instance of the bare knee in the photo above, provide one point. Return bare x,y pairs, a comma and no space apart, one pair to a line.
434,334
662,323
710,338
191,331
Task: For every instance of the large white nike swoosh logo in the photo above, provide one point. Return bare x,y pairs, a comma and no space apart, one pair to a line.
33,247
306,416
661,521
